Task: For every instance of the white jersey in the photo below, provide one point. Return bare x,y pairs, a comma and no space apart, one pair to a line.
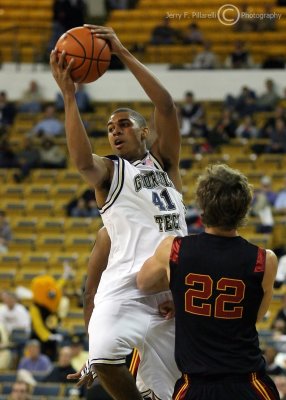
142,208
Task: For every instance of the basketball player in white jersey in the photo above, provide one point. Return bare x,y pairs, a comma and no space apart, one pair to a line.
140,205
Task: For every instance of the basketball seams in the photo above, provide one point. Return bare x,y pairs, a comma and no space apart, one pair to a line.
90,61
84,58
98,59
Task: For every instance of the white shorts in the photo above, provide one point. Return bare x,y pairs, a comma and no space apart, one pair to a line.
116,327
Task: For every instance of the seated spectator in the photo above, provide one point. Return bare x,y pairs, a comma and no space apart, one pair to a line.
62,368
5,232
34,361
93,209
280,380
280,202
244,24
51,155
205,59
8,158
80,210
28,158
279,113
239,58
266,24
88,195
262,207
82,99
246,129
272,368
269,99
7,111
189,113
193,35
244,104
20,391
163,33
277,138
31,101
14,315
79,355
279,281
5,346
227,123
50,125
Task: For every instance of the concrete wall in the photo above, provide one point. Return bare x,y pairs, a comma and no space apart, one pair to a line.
121,85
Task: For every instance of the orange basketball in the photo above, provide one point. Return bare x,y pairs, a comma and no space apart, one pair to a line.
91,54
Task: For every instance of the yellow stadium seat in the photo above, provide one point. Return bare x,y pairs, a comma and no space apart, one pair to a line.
24,225
24,242
36,260
11,260
44,176
50,243
12,191
37,192
51,225
80,242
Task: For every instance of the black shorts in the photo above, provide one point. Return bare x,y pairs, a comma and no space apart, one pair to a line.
232,387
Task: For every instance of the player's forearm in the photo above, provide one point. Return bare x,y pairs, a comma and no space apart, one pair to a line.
77,140
157,93
88,305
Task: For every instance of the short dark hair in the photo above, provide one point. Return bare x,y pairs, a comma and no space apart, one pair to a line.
224,196
141,121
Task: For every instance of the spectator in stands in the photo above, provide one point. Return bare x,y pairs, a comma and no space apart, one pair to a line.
7,111
280,380
280,202
20,391
87,195
27,158
266,24
244,24
92,209
262,203
79,355
34,361
82,99
116,5
269,99
189,113
50,125
62,368
5,346
272,368
193,35
228,123
269,126
281,279
51,155
8,157
163,33
5,232
239,58
206,59
244,104
247,129
80,210
281,313
277,138
31,100
14,315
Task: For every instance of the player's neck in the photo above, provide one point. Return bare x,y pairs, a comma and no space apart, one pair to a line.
212,230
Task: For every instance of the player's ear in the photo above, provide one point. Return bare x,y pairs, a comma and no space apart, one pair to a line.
144,133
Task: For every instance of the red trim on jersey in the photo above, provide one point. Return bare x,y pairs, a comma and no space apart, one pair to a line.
181,393
263,392
260,261
174,256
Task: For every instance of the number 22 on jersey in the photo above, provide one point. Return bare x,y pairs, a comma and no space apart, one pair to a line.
226,304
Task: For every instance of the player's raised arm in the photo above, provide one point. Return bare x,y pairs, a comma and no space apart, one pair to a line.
154,276
268,283
94,169
96,265
167,146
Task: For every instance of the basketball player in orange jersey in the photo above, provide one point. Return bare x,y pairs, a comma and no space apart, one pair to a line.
138,195
221,285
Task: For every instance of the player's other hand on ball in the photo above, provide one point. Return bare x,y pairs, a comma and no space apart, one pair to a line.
61,72
108,34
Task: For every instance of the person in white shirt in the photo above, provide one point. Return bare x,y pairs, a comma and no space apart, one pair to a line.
14,315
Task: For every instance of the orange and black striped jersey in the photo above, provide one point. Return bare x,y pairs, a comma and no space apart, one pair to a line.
216,284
